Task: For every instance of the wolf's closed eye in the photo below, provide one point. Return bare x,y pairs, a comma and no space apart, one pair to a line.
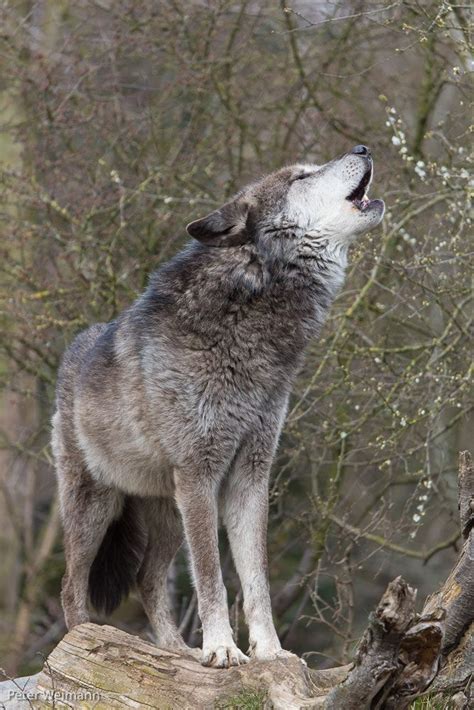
303,176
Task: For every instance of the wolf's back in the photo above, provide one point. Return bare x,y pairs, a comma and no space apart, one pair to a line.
72,362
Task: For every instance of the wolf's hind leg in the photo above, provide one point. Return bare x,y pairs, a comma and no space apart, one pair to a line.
87,509
165,537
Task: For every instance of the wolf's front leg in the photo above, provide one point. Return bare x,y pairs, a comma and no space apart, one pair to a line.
197,501
245,516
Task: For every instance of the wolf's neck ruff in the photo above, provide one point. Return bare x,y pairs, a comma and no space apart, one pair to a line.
296,284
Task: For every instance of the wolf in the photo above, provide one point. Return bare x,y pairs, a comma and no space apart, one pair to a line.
167,418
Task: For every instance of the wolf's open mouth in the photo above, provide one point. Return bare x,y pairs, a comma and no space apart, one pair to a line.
358,196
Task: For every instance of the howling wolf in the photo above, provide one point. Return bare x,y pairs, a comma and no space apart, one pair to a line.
168,417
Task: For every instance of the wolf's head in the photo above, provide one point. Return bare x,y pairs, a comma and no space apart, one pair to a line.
325,203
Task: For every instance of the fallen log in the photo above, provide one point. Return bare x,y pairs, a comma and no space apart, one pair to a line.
119,671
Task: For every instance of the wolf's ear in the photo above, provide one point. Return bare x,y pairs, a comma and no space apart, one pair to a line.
225,227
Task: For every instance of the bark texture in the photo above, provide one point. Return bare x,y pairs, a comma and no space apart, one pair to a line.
128,672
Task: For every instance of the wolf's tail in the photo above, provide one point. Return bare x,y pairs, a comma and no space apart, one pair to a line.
114,570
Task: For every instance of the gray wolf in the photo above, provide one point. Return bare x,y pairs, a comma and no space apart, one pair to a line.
167,418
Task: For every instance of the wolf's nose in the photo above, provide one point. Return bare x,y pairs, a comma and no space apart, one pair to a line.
361,150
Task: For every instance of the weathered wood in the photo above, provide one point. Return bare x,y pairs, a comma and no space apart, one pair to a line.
444,652
418,662
377,655
457,673
123,671
456,595
466,493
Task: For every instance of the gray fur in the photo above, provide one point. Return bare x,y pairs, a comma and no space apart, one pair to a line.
178,404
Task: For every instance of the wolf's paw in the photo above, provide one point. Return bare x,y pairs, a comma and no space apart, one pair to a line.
223,656
269,653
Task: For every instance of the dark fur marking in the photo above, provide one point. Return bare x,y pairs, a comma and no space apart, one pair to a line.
114,570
